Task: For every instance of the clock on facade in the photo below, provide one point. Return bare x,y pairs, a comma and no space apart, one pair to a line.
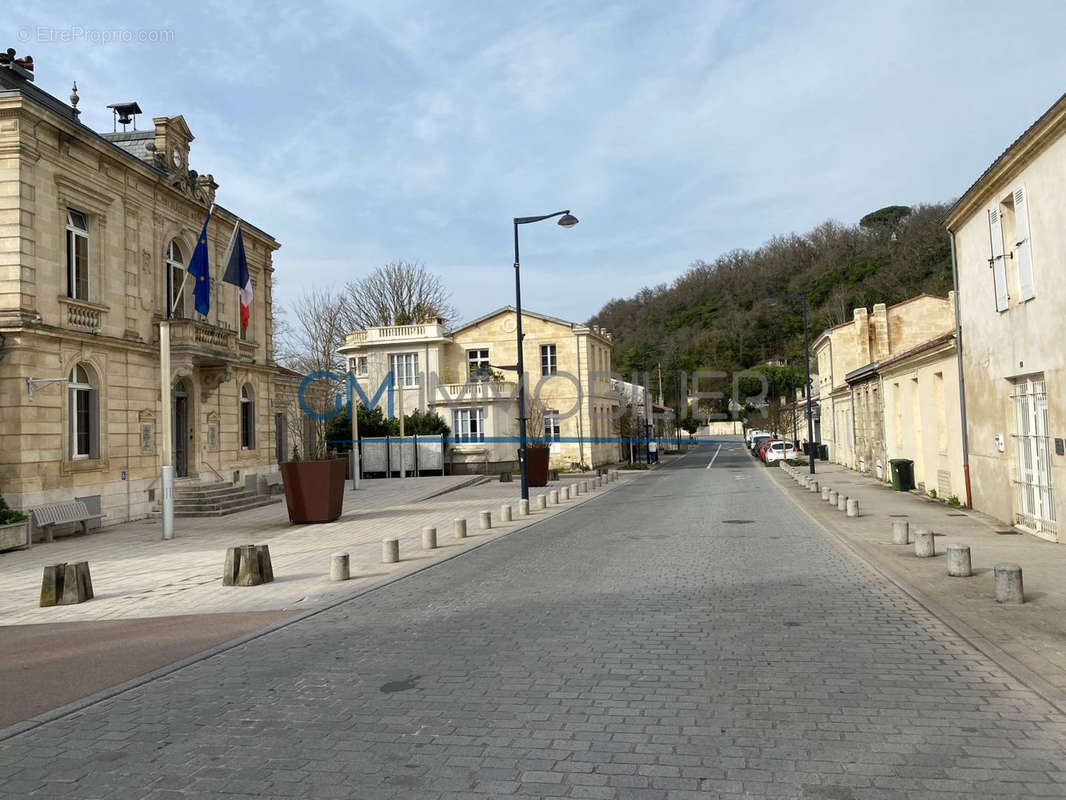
176,157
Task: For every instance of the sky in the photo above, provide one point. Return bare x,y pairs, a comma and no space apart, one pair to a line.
360,133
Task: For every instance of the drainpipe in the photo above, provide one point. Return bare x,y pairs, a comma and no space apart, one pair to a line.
962,382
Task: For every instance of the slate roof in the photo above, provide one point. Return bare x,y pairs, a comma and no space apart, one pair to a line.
133,142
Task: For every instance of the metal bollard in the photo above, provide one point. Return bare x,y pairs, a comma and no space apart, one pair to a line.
842,502
429,538
825,492
1009,584
339,567
459,528
852,507
924,545
523,508
505,513
901,531
390,551
959,561
486,520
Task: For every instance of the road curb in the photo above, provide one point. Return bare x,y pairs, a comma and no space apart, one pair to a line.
74,706
1004,660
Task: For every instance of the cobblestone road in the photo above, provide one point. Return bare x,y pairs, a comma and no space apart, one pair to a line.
691,636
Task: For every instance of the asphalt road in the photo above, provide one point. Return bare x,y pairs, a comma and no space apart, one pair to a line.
689,635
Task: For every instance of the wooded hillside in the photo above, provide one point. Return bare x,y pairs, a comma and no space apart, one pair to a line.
714,315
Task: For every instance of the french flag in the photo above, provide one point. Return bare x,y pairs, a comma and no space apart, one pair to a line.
237,274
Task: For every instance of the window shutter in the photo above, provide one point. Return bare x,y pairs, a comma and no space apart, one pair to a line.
94,423
251,425
72,413
999,272
1022,248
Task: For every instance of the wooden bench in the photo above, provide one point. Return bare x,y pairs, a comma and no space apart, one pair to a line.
45,517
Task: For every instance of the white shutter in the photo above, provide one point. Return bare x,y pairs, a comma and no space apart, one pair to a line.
999,271
1022,249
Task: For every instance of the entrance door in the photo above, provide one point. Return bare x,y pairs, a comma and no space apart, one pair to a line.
1035,502
181,431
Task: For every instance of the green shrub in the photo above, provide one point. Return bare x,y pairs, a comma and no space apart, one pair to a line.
9,515
953,501
932,494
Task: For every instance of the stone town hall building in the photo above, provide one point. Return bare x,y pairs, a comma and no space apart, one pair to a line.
90,223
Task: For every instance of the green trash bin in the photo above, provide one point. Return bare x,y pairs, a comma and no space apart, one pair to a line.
902,474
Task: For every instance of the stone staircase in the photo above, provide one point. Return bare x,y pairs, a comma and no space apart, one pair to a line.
195,499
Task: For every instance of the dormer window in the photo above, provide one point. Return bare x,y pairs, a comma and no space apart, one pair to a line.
77,255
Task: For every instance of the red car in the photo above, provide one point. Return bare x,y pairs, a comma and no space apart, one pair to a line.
763,447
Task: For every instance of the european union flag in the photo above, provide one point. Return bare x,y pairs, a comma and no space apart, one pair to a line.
200,271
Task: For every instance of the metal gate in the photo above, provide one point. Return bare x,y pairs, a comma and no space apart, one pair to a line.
1036,504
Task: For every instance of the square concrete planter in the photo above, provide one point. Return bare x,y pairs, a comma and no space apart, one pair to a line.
15,535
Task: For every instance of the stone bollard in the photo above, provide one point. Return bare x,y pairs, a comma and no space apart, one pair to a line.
390,551
459,529
339,567
924,544
852,507
266,569
248,573
901,531
959,561
486,520
842,502
429,538
505,513
812,486
825,492
584,487
833,497
553,497
542,502
1009,584
523,508
577,488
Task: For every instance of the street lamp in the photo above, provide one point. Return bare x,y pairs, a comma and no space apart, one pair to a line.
566,220
771,301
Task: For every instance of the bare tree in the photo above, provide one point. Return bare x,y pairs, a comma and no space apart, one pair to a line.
398,293
314,329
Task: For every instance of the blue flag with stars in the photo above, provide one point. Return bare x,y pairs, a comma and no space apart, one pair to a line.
200,271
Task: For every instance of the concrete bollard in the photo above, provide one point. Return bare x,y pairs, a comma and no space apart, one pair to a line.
842,502
924,544
523,508
486,520
959,561
505,513
901,531
1009,584
339,567
566,493
852,507
390,551
584,487
553,497
812,486
542,502
459,528
429,538
833,493
248,573
825,492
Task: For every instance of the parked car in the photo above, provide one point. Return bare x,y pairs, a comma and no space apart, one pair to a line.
778,451
764,446
757,440
749,436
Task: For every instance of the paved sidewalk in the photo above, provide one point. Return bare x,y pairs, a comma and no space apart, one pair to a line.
1034,633
135,574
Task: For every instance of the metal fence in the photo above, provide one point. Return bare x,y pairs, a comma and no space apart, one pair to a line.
409,456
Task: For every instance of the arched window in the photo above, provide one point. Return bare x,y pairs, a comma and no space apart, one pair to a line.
247,417
176,270
83,415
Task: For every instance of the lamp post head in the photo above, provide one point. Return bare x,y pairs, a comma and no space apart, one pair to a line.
568,220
